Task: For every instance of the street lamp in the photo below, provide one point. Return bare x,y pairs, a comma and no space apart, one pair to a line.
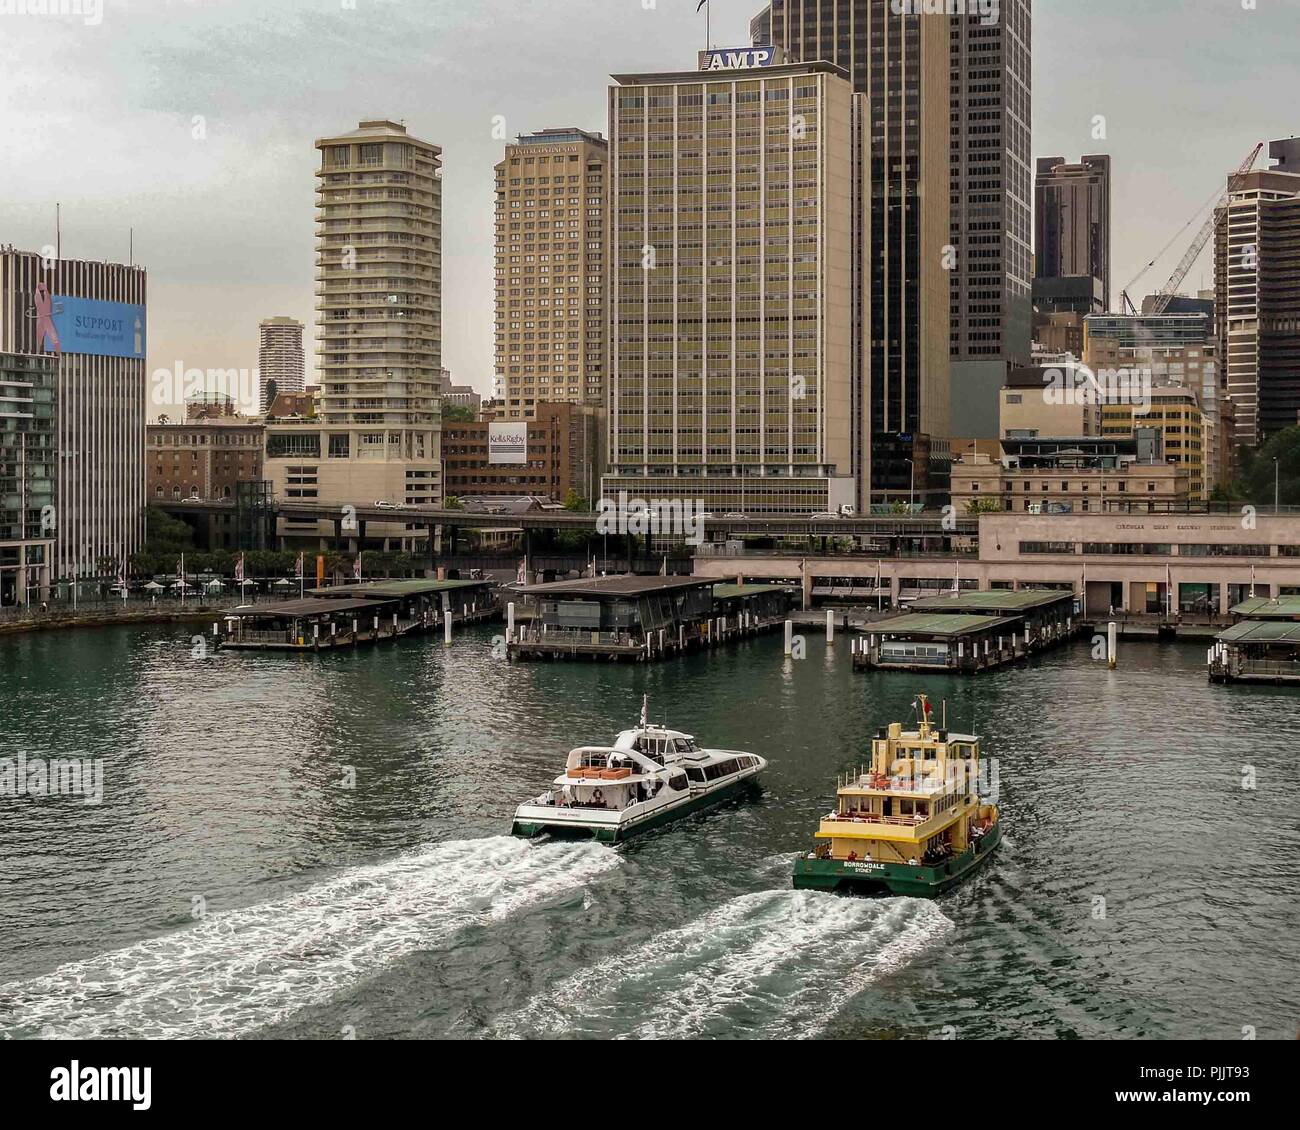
1276,467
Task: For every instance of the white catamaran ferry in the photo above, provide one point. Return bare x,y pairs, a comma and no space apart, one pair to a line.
650,775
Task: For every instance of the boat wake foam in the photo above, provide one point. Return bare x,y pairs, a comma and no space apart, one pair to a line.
770,964
240,970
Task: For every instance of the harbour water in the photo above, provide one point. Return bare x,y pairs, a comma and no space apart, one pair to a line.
314,846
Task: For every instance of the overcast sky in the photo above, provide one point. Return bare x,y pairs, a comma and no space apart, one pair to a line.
103,119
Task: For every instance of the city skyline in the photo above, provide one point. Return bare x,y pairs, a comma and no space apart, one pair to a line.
206,161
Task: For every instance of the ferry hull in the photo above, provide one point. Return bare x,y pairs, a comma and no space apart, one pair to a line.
617,832
859,877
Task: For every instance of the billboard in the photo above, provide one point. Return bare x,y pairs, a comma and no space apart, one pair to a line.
739,58
507,443
102,329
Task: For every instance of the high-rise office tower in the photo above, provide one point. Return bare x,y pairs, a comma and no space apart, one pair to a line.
280,361
1072,235
379,297
551,192
92,317
991,194
29,460
1257,295
732,204
901,62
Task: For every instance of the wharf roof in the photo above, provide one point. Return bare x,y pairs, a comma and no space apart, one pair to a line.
627,585
1262,608
939,624
730,592
307,607
393,590
1262,631
993,600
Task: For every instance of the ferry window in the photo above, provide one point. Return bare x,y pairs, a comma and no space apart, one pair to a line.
683,746
696,774
679,783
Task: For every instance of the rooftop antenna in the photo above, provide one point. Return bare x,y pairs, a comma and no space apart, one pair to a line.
131,247
58,232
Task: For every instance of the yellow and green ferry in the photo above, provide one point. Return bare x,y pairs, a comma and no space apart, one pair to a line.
910,824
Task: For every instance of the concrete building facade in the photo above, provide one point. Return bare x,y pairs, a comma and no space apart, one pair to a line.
551,270
731,240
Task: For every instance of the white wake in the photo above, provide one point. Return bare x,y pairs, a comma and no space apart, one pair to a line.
235,971
772,964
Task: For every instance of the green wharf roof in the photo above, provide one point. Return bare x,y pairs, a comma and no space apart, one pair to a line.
729,592
993,600
1262,631
938,624
395,589
1262,608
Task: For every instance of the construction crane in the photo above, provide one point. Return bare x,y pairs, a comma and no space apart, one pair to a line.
1166,293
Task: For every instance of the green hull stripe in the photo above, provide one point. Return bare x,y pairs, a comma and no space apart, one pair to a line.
899,878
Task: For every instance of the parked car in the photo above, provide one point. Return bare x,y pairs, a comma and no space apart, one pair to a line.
384,504
192,498
824,516
735,514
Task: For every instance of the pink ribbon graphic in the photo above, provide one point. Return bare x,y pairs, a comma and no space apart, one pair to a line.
45,330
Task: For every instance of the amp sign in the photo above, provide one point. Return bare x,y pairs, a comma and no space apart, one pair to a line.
739,58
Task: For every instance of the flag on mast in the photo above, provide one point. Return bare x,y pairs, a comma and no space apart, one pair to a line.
299,566
356,566
239,570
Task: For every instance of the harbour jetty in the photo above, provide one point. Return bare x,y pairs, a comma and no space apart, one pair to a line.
968,632
639,619
1263,646
356,614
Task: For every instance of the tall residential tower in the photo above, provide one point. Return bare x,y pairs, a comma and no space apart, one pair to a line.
281,363
1257,293
379,297
551,192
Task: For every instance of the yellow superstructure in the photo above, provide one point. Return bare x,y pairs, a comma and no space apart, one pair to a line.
916,804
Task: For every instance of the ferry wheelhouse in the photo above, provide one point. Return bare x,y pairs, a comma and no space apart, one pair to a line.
910,824
649,776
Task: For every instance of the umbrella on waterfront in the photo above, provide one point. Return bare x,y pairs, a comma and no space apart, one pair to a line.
154,586
215,586
282,583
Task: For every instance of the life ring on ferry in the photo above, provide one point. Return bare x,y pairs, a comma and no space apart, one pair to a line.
597,797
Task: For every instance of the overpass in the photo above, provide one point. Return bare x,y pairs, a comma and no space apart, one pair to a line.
876,528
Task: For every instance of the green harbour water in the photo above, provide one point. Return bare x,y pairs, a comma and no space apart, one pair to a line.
316,846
